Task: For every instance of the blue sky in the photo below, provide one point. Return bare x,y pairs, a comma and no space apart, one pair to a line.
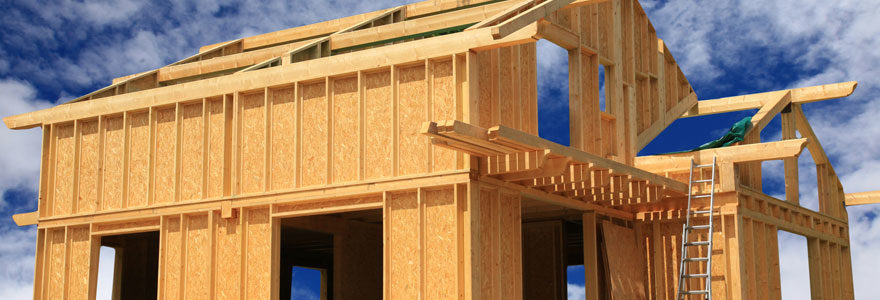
53,52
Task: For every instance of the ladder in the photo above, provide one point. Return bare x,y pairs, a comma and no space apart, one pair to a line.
684,289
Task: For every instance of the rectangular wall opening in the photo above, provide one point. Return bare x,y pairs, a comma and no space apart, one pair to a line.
602,81
794,266
132,261
553,107
334,256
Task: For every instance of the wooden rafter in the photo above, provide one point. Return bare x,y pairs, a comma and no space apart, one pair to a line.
872,197
756,101
772,106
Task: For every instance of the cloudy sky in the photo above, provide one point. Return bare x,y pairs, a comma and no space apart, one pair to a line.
53,52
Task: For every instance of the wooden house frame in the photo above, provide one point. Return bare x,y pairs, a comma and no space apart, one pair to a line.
404,141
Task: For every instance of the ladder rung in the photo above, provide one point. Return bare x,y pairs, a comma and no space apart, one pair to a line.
701,196
702,211
704,180
695,292
696,275
699,227
696,259
703,166
697,243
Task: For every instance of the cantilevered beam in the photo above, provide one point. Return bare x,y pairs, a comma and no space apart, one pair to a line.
862,198
756,101
732,154
25,219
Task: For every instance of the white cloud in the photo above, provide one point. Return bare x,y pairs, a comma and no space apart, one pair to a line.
17,259
576,292
20,159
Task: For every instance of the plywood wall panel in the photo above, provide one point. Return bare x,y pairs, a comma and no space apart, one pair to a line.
314,134
487,84
198,257
378,114
440,244
139,159
216,147
402,247
172,259
166,152
510,240
253,142
57,265
192,152
346,146
284,137
505,92
625,273
227,284
529,87
113,165
490,258
64,168
89,167
443,107
412,111
79,244
259,254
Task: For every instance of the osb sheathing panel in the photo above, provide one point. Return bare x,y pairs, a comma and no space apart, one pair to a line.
346,129
314,134
402,246
65,151
56,265
192,152
171,258
500,245
627,275
253,142
165,155
198,257
258,248
228,250
443,107
284,136
114,163
216,146
79,251
441,263
378,123
412,111
89,158
508,83
139,159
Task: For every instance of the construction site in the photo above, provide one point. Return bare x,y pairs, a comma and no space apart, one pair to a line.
397,152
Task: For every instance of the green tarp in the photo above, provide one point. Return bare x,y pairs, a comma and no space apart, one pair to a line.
735,134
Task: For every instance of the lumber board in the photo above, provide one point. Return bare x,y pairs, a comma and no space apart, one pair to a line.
803,126
862,198
732,154
529,16
25,219
769,109
756,101
367,59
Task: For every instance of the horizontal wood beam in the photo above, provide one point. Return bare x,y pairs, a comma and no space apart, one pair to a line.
25,219
445,45
863,198
558,35
756,101
733,154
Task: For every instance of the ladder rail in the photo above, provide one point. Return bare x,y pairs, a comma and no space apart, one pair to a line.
686,228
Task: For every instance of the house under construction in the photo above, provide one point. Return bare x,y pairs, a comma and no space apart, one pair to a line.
398,153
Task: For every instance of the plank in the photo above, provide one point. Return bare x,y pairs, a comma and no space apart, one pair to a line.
733,154
756,101
862,198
